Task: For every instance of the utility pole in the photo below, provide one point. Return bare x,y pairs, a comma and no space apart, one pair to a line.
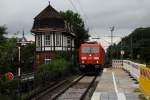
121,48
131,50
122,52
49,2
112,30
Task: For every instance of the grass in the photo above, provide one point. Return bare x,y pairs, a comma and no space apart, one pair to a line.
137,90
142,97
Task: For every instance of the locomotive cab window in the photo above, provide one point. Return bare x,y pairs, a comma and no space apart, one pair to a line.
90,50
95,49
86,50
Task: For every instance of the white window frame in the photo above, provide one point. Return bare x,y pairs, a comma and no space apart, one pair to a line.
58,42
38,40
47,40
68,41
47,61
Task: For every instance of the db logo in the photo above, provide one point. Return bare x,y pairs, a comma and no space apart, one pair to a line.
9,76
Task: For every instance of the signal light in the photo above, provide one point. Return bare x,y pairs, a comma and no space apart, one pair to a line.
97,62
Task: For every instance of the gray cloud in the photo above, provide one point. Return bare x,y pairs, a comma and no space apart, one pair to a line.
125,15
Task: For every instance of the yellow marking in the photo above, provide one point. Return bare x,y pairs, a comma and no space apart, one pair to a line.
144,81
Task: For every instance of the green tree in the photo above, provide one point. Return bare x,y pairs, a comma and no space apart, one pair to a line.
136,45
2,33
27,57
78,25
8,55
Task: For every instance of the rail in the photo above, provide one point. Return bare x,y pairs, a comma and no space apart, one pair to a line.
56,90
50,89
65,89
79,90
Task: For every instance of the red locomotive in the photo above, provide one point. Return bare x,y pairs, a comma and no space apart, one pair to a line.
91,57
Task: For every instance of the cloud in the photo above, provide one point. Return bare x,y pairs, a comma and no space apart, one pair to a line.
125,15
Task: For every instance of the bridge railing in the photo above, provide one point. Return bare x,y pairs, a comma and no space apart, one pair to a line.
138,71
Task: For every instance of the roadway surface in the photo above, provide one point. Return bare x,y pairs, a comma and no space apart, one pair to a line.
116,84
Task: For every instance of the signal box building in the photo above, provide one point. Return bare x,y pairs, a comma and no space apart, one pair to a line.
53,35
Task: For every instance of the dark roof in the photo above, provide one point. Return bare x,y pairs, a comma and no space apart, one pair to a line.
48,12
49,20
46,29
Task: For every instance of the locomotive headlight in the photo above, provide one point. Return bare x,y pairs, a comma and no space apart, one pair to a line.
82,62
96,58
83,58
97,62
90,55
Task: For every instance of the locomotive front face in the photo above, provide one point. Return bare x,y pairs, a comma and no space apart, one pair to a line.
90,55
90,58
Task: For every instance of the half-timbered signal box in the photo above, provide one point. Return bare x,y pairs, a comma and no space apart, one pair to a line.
53,35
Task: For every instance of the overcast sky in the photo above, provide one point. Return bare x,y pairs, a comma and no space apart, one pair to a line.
125,15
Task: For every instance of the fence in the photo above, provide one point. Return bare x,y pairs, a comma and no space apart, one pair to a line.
138,71
117,63
26,87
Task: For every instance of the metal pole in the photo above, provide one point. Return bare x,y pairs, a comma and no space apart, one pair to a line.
111,37
131,50
19,61
121,47
19,74
122,60
122,51
111,30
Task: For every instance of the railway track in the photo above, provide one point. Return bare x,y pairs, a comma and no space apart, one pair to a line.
77,91
44,93
56,89
74,90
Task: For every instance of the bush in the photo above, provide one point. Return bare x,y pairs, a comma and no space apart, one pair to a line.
43,68
57,64
3,78
9,88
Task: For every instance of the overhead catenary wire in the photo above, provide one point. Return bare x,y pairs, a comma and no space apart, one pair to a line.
80,11
70,1
86,17
87,21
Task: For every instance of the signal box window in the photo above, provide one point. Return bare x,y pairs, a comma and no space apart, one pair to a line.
47,40
58,39
38,39
47,61
68,41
